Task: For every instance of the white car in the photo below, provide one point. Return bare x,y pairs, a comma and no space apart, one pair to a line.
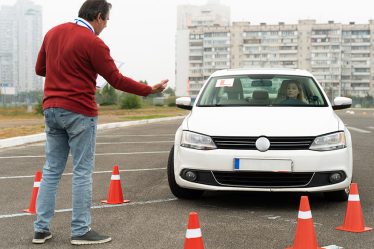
261,130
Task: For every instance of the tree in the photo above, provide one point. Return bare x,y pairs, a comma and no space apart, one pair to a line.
108,95
144,82
169,91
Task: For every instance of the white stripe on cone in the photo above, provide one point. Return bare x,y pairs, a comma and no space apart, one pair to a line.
193,233
36,184
354,198
115,177
305,215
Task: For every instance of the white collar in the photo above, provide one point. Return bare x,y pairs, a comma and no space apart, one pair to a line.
84,23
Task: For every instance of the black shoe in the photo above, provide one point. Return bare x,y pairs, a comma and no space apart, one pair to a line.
91,237
41,237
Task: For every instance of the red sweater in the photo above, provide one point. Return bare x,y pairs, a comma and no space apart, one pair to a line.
70,58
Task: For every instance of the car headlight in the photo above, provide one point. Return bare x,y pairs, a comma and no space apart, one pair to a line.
333,141
197,141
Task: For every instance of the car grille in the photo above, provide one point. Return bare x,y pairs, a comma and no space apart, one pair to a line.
263,179
276,143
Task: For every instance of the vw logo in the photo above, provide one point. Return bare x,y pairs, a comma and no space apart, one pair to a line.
262,144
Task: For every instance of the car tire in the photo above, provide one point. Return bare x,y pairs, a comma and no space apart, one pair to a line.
341,195
179,192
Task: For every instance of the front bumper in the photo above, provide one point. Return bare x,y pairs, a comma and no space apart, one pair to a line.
310,171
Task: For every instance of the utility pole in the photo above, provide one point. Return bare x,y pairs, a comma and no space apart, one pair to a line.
340,62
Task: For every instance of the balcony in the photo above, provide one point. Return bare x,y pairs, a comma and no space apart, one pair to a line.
196,53
288,51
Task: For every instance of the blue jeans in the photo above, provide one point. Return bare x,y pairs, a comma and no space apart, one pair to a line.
67,131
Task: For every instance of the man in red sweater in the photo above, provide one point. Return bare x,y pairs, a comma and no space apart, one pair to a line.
71,57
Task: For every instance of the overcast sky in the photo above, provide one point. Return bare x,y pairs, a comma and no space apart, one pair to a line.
141,33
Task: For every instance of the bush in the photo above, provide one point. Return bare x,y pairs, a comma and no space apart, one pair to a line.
130,101
362,102
39,107
171,101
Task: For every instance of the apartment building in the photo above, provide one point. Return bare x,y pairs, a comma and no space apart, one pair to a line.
209,50
340,56
21,31
195,41
264,45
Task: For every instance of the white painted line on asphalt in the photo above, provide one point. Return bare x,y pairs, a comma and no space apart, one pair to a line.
119,135
281,219
96,172
133,203
273,217
332,247
13,215
16,157
152,142
98,154
358,130
4,216
131,153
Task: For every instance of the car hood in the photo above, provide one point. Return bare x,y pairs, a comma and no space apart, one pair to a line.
267,121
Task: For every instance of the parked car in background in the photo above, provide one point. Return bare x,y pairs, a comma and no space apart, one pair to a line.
261,130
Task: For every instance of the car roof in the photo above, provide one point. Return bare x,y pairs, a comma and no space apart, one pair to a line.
277,71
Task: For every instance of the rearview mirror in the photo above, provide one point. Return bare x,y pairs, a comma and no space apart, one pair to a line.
262,82
341,103
184,103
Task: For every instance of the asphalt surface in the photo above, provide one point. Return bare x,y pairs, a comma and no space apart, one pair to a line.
155,219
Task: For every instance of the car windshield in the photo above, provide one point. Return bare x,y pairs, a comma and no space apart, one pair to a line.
262,90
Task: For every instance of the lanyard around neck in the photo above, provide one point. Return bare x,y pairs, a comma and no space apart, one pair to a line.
77,21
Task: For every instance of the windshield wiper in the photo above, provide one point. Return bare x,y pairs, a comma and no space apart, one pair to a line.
211,105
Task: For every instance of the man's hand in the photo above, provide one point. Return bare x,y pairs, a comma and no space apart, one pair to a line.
160,86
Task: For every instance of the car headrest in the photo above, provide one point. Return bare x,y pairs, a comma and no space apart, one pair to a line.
235,91
260,95
236,87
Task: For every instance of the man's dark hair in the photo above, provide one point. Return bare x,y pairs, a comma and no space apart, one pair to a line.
92,8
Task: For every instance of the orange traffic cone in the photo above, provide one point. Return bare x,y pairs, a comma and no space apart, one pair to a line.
354,220
305,237
193,240
115,195
34,195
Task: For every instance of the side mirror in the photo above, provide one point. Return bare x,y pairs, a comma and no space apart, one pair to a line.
341,103
184,103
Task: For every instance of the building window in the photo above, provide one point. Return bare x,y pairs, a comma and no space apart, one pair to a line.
360,32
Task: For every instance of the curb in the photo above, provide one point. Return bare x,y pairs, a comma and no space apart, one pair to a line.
15,141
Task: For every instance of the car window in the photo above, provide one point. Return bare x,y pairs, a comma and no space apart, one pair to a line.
262,90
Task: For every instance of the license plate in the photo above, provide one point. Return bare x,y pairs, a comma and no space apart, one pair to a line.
268,165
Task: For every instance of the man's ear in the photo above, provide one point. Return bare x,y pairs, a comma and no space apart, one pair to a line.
99,16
